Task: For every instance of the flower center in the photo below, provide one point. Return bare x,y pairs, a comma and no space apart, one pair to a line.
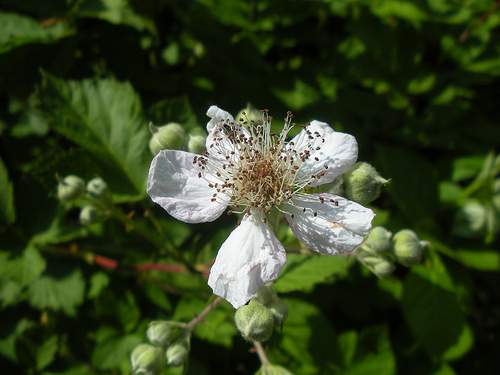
251,167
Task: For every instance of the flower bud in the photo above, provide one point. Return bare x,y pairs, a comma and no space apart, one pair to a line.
381,266
280,312
379,240
196,141
147,360
266,294
407,248
169,136
89,214
70,188
178,352
162,333
335,187
97,188
363,183
254,321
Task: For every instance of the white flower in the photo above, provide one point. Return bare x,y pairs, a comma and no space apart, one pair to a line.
256,171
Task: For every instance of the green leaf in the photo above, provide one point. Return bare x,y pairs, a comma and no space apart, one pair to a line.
118,12
300,96
412,176
58,289
113,349
105,117
367,353
303,271
10,330
119,307
24,268
431,307
307,340
482,260
7,212
18,30
46,352
98,282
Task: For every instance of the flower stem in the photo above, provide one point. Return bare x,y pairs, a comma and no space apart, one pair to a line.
203,314
262,354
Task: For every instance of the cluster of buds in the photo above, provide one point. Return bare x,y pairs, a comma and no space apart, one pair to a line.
169,344
257,319
381,249
73,188
172,136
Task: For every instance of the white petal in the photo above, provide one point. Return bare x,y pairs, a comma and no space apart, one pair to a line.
337,150
174,184
334,229
218,144
217,116
251,257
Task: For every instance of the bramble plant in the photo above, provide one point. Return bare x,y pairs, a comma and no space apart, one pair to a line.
140,234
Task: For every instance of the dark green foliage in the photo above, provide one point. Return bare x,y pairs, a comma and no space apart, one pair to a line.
417,83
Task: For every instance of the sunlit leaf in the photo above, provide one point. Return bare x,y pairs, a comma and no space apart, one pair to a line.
302,271
105,117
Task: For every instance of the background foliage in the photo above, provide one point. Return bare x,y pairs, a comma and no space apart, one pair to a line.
416,81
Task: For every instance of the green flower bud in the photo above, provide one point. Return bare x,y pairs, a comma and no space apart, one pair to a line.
266,294
97,187
381,266
162,333
89,214
379,240
362,183
254,321
147,360
407,248
335,187
280,312
178,352
170,136
273,370
70,188
196,142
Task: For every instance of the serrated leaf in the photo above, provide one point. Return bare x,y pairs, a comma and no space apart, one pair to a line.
7,212
58,290
104,117
33,265
24,268
303,271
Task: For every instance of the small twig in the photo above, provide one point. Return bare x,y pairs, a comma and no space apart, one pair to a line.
483,18
203,314
262,354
